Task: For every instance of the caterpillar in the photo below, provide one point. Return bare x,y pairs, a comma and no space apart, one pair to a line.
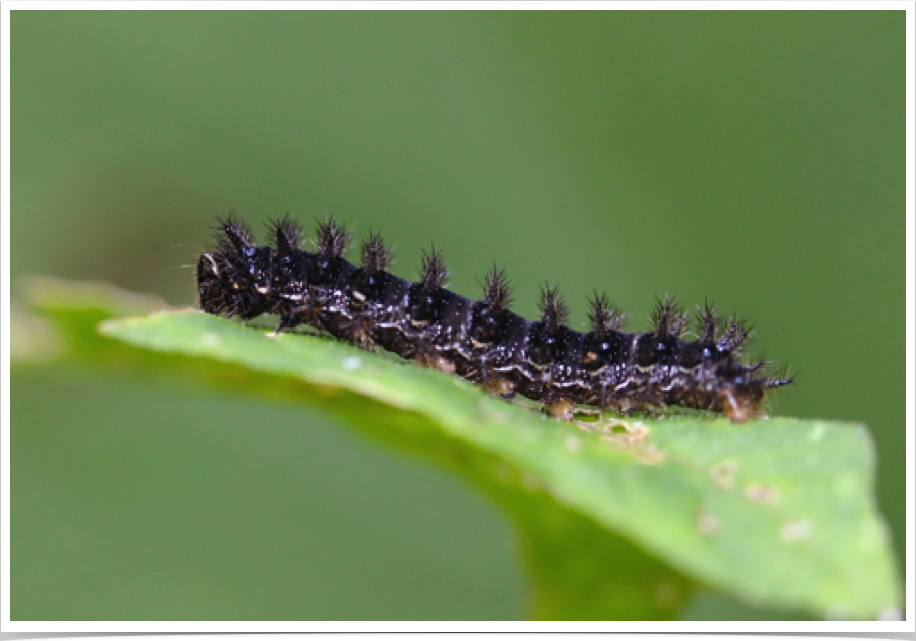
483,340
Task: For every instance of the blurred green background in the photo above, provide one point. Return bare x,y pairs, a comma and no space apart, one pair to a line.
756,159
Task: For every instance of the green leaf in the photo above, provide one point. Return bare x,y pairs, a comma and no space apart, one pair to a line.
779,513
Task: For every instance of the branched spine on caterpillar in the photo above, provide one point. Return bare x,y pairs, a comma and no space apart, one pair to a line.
483,340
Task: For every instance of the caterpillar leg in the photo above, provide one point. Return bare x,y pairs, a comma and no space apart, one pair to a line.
562,409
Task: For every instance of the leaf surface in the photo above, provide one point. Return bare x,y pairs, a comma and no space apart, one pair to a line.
778,512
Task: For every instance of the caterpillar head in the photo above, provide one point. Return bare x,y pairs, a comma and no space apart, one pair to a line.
235,280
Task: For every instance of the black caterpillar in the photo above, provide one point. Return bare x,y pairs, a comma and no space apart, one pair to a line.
483,341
